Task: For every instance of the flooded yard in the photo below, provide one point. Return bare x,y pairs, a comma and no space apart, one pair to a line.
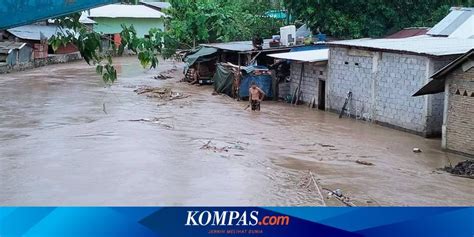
66,139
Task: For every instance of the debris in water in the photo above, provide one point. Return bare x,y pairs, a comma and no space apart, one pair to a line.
152,120
208,146
325,145
165,75
317,188
463,169
162,77
161,93
340,196
416,150
148,89
103,108
364,162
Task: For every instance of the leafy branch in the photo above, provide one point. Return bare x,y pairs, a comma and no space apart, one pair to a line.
89,44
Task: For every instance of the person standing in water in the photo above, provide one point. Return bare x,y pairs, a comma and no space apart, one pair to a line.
255,96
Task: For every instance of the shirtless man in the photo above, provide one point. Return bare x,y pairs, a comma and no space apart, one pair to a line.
194,73
255,96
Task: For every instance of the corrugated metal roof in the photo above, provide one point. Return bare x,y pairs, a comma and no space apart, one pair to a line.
160,5
451,22
86,20
409,32
246,46
437,84
83,19
34,32
125,11
425,45
318,55
466,30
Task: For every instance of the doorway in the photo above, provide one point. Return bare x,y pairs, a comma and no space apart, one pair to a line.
322,95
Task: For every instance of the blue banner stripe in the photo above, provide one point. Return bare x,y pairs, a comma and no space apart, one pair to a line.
174,221
20,220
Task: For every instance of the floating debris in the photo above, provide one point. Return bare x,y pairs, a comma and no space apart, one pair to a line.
340,196
152,120
416,150
361,162
208,146
325,145
161,93
166,74
162,77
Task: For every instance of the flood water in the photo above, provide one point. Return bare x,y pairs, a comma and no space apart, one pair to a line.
66,139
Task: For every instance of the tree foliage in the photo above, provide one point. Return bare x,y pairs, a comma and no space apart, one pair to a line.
89,44
189,22
370,18
197,21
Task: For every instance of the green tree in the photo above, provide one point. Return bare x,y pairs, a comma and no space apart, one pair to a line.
370,18
196,21
190,22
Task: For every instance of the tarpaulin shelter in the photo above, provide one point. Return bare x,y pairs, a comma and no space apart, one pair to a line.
263,81
223,80
203,54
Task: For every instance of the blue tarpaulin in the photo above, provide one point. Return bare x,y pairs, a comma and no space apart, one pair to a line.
262,81
309,47
19,12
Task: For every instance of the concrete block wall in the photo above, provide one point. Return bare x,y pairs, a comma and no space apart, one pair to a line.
459,135
284,89
344,76
382,85
398,77
312,73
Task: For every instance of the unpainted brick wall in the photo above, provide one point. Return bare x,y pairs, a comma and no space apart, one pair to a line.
460,118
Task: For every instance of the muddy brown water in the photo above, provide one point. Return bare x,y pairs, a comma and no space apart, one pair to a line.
65,139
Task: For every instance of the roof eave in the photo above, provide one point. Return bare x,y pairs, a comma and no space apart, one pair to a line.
446,69
391,50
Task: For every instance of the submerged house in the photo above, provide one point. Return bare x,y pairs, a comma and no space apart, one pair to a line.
456,80
307,80
37,35
242,57
14,53
382,74
109,19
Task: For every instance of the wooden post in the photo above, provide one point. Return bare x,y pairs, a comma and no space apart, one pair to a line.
298,89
